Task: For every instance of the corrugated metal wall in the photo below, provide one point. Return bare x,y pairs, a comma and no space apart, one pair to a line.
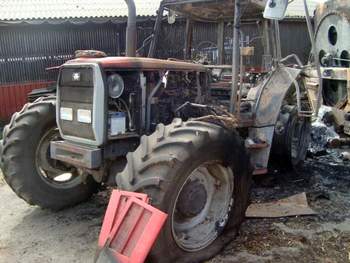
27,50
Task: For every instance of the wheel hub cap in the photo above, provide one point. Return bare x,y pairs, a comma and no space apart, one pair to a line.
192,199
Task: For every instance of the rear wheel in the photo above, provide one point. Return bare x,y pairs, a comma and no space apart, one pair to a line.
292,137
26,162
199,174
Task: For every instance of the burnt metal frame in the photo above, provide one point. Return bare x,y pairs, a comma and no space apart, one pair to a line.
188,42
267,97
236,57
271,38
314,52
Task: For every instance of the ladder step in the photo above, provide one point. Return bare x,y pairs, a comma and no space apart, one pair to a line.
260,171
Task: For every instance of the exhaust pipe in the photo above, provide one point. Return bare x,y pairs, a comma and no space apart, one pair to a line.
131,33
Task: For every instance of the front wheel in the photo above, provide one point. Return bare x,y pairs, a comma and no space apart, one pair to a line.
199,174
27,166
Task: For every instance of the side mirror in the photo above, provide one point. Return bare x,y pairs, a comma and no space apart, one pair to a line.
275,9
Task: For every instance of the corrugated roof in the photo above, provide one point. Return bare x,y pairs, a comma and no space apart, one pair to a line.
21,10
12,10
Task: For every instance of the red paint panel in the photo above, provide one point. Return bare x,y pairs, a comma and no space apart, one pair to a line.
130,228
14,96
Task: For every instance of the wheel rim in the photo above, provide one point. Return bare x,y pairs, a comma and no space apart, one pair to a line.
53,172
202,207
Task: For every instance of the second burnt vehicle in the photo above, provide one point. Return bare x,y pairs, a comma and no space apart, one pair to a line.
170,129
332,25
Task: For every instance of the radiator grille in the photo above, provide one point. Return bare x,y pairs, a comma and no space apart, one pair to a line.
76,91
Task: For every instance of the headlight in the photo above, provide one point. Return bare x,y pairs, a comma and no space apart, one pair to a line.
66,114
84,116
115,86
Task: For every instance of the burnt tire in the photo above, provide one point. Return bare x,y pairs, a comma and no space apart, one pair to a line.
162,164
19,161
292,138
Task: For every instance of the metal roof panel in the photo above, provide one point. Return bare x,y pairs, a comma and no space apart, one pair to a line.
22,10
14,10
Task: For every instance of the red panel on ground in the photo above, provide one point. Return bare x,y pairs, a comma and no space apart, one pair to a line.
135,228
14,96
116,204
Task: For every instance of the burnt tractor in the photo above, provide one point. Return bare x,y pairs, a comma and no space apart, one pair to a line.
187,137
332,25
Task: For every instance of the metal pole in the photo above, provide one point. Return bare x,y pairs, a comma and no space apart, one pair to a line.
278,40
266,39
131,31
221,42
273,43
267,57
241,75
235,57
156,31
314,51
188,40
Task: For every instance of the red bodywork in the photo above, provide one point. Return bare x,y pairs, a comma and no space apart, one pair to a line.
14,96
144,64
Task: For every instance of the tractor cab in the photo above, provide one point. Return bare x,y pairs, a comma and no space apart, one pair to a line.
217,55
253,95
233,47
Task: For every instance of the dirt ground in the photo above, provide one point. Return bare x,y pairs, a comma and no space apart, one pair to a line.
29,234
324,238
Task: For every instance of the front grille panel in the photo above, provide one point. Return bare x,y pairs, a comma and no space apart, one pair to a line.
76,94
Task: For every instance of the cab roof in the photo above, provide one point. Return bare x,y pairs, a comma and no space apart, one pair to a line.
215,10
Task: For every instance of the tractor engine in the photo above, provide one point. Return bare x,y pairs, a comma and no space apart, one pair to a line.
107,109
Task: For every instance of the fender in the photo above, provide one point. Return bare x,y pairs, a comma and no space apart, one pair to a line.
269,97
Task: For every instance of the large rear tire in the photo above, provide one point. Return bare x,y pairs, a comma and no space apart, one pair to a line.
26,163
292,138
199,174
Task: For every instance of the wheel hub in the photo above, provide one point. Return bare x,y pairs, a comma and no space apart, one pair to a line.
192,199
53,172
202,206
